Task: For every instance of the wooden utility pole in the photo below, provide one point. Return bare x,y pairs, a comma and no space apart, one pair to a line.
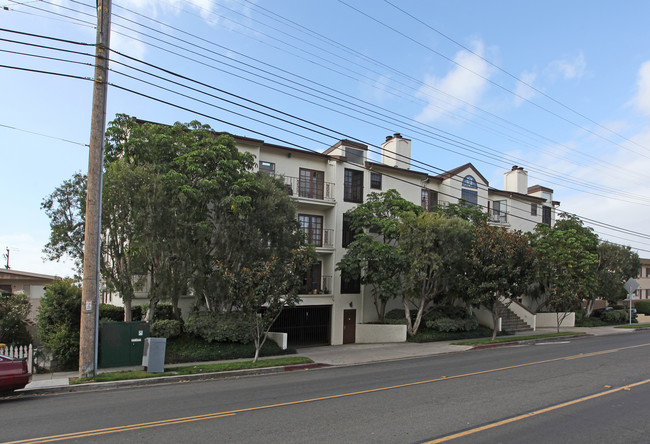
90,290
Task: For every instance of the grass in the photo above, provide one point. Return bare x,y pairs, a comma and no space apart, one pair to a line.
516,338
194,369
634,326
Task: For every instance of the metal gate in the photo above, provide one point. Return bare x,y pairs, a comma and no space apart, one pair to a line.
309,325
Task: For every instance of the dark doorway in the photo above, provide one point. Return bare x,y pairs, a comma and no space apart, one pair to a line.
309,325
349,326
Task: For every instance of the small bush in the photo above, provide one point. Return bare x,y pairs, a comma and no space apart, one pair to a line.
219,327
166,328
192,349
445,311
111,313
642,307
614,316
453,325
164,311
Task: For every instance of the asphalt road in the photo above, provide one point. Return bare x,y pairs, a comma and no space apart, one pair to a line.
590,390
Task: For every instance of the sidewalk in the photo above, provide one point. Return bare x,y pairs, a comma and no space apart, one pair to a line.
348,354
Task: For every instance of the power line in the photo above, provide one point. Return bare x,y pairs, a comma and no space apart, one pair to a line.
43,135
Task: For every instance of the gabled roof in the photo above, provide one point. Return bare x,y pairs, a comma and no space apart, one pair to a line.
15,275
517,195
380,166
451,173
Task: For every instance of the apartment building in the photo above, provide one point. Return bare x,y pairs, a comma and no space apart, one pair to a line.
326,185
643,292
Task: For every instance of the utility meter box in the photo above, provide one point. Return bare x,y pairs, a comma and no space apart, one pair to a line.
153,355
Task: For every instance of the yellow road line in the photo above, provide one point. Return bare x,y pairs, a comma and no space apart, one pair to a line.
535,413
304,401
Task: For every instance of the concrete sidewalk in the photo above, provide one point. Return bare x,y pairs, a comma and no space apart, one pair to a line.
348,354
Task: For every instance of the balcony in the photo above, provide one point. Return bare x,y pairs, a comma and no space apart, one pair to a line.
498,217
320,238
320,286
310,189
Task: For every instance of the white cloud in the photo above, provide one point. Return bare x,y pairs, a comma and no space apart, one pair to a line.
462,87
642,98
523,91
568,68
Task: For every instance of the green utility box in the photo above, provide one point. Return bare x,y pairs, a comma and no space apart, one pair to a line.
121,343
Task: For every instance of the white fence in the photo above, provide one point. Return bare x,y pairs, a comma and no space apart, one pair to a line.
21,352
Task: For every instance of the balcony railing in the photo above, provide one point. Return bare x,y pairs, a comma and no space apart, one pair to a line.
324,239
322,287
498,217
310,189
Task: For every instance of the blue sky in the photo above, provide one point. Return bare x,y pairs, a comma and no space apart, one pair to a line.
560,88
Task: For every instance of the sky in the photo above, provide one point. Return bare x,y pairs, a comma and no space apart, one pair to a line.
559,88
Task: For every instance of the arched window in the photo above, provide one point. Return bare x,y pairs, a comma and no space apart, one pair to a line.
468,192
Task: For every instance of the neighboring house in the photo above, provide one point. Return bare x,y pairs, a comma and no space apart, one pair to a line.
325,186
33,284
643,292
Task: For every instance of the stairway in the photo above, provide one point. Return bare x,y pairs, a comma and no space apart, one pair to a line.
510,322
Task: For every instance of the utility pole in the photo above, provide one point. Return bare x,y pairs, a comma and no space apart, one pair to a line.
90,290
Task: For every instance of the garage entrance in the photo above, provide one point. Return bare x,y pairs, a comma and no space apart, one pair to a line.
309,325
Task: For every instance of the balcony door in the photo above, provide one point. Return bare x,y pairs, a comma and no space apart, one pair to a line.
311,183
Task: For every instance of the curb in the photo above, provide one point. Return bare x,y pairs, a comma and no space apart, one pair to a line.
530,341
92,386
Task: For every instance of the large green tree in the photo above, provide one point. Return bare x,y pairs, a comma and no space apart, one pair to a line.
502,268
436,247
14,314
616,264
568,256
374,253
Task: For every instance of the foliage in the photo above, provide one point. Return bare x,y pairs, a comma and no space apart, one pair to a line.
165,311
616,264
111,313
470,213
614,316
14,313
502,268
218,327
374,254
187,348
436,248
59,318
166,328
66,208
430,335
450,324
643,307
568,255
261,292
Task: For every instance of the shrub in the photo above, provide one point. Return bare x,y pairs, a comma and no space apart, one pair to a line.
59,319
164,311
642,307
219,327
136,313
111,313
445,311
14,311
452,325
614,316
166,328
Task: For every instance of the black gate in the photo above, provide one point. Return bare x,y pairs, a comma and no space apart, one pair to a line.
309,325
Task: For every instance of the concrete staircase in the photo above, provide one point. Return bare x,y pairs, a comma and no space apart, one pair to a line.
510,322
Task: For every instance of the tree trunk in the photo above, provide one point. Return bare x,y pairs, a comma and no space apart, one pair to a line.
407,315
127,310
495,321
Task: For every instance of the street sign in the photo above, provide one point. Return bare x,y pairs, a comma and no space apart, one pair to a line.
631,285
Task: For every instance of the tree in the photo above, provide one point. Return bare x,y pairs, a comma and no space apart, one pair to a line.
436,247
616,264
568,255
59,318
502,268
14,313
66,208
374,253
264,289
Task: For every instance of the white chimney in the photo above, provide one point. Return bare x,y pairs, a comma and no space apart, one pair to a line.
396,152
516,180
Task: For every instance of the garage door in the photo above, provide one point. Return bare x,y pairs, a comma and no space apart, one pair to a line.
308,325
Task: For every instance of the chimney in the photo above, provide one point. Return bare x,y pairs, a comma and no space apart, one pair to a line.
396,151
516,180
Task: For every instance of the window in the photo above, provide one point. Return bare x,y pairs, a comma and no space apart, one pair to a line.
375,181
354,155
351,285
312,281
647,293
311,183
499,213
348,232
468,192
546,215
353,186
313,228
647,272
429,199
533,209
267,168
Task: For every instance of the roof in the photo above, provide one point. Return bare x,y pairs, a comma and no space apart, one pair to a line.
15,275
517,195
451,173
536,188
